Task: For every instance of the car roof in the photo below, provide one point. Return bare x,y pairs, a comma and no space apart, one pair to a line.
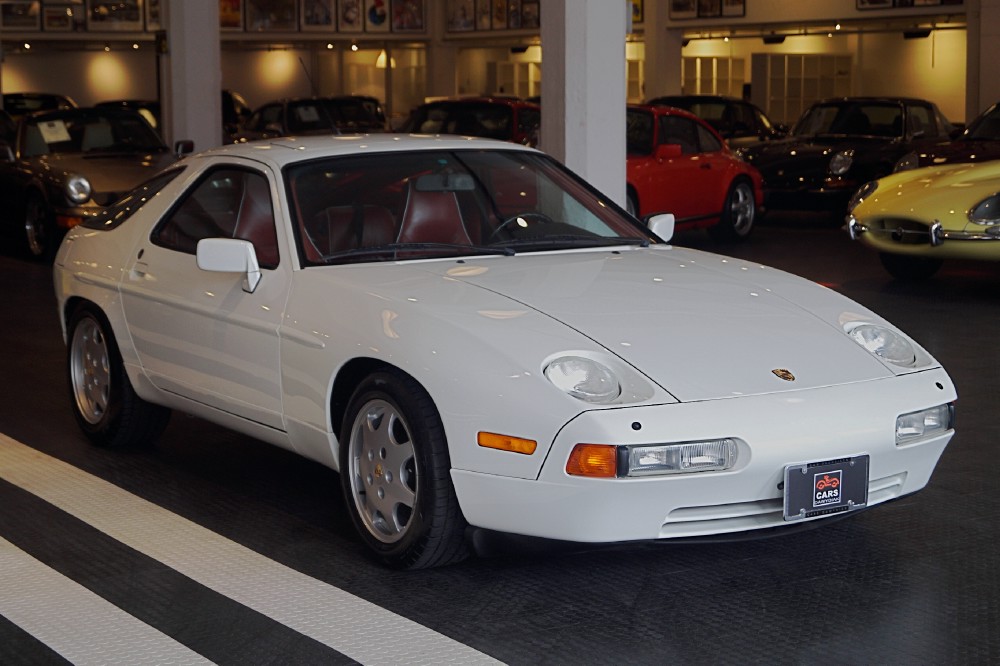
705,97
883,98
283,151
506,101
665,110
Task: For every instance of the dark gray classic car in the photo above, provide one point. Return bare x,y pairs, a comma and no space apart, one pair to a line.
65,166
978,142
840,144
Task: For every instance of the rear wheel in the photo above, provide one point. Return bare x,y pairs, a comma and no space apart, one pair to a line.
105,405
738,214
395,474
907,267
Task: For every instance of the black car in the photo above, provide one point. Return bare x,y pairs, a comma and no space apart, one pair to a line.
65,166
978,142
739,122
21,104
502,118
840,144
313,115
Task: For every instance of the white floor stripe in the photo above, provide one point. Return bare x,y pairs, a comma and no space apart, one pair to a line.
75,622
355,627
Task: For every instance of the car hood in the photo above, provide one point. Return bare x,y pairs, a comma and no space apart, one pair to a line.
815,150
944,193
109,173
699,325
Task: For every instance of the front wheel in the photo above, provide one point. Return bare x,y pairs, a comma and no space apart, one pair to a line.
105,405
907,267
395,475
39,228
738,214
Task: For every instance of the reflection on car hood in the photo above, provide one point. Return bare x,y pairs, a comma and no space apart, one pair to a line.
697,324
108,172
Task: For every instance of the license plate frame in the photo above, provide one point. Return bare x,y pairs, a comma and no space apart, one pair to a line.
825,488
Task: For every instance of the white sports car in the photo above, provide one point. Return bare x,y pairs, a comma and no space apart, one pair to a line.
473,336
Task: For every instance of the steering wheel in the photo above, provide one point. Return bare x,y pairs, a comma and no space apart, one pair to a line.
525,216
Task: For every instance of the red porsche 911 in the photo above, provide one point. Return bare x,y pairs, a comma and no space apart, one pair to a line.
678,164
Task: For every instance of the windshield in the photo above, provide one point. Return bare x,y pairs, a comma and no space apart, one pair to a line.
432,204
639,132
88,132
986,127
883,119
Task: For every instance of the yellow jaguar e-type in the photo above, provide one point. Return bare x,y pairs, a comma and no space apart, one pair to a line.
917,219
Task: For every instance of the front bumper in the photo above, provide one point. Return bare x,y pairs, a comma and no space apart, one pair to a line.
774,431
918,238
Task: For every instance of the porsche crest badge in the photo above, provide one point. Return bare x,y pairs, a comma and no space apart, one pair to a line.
781,373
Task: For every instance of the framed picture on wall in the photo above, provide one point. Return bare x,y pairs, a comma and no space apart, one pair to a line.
529,15
103,15
57,19
153,22
231,14
318,15
19,16
709,8
461,15
734,7
349,16
499,20
484,14
637,13
271,15
683,9
873,4
408,16
376,15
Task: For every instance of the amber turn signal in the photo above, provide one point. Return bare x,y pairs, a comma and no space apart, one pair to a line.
492,440
597,460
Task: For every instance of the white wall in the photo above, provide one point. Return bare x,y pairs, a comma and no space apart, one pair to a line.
263,76
87,77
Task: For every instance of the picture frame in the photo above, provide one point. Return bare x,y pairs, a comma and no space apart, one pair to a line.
709,8
350,16
682,9
484,14
734,8
19,16
498,16
514,14
377,16
461,15
873,4
57,18
231,15
114,15
637,11
153,16
318,15
530,17
271,15
408,16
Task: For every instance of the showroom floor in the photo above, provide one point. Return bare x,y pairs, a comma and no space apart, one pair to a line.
211,547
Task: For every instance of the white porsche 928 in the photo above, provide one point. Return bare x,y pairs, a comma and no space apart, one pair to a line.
473,336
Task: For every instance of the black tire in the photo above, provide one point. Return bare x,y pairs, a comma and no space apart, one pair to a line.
41,238
395,475
739,212
908,267
105,404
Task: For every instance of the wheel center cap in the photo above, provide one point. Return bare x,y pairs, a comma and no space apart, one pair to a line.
378,471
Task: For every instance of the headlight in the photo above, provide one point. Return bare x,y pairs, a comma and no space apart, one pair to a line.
841,162
610,461
987,211
923,424
584,379
863,193
884,343
907,162
78,189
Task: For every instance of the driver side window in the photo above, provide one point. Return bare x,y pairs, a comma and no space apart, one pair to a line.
227,203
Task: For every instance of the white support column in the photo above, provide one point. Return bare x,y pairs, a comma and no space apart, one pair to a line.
583,83
663,52
191,73
982,50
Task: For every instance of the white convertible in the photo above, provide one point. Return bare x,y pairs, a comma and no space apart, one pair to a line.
473,336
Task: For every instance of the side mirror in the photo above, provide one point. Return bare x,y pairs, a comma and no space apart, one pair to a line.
230,255
183,147
668,151
662,225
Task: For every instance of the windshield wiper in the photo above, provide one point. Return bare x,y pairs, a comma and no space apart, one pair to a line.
395,248
571,241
